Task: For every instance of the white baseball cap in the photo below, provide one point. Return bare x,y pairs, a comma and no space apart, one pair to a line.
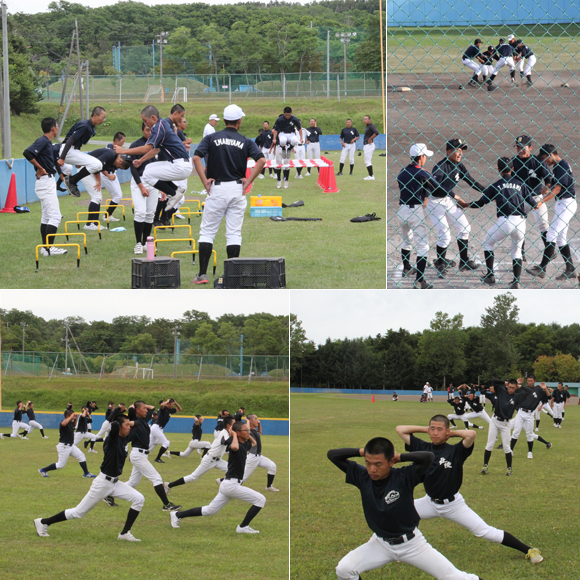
233,113
419,149
510,37
214,118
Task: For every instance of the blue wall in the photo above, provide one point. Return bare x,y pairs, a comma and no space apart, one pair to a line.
364,392
478,13
175,425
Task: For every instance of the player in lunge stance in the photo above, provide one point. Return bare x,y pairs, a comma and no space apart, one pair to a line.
444,478
17,423
387,498
166,409
196,442
32,422
255,458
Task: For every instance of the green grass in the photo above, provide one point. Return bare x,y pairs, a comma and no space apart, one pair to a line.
88,548
203,397
332,253
537,504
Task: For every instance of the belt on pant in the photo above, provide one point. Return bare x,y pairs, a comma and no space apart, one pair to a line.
234,479
142,450
411,205
399,539
443,501
67,444
526,411
238,181
111,479
500,420
215,458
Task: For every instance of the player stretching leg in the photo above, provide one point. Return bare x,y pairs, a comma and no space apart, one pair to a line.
196,442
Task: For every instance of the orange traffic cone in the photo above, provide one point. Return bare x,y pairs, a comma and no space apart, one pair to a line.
11,200
248,173
373,399
328,181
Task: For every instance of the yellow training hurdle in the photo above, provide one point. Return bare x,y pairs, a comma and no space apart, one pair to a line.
67,235
193,252
169,228
188,212
193,201
115,205
123,199
91,212
59,245
190,240
78,222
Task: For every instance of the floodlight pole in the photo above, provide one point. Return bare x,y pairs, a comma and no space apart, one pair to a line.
24,325
6,136
176,334
79,72
162,36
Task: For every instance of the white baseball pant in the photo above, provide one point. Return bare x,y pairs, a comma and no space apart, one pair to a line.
166,171
368,154
64,451
267,155
444,213
204,466
182,183
416,552
232,489
104,430
474,66
455,417
90,183
482,399
348,149
513,227
481,415
313,151
564,210
34,425
144,206
195,444
76,157
224,200
459,512
546,409
281,155
19,425
299,152
100,489
540,215
496,426
254,461
157,437
529,66
113,187
557,409
288,139
142,467
524,419
45,189
486,70
80,436
412,222
509,60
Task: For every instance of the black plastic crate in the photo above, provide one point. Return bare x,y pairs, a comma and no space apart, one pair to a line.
254,273
161,272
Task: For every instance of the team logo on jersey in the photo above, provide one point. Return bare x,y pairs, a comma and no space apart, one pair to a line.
532,173
457,177
535,395
392,497
511,402
446,464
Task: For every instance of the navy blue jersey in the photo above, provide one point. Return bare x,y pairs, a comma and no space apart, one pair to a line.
30,413
475,404
448,174
181,135
506,50
314,134
283,125
82,132
115,450
349,134
537,396
264,139
163,415
487,55
509,195
559,396
531,171
562,173
471,53
524,51
415,184
18,414
505,404
42,151
370,131
139,143
67,433
228,153
106,156
163,137
459,406
113,169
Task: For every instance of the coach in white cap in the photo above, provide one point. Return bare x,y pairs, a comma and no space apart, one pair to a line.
210,127
227,159
415,184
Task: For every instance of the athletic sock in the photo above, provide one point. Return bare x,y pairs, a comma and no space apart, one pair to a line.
452,421
111,209
51,467
421,265
175,452
95,208
351,169
167,187
508,459
43,232
286,174
162,450
475,78
138,231
517,269
530,446
278,172
60,517
512,542
538,424
492,78
83,465
441,254
192,513
406,255
489,259
131,517
205,249
179,481
513,74
341,168
159,209
549,252
42,432
271,479
250,515
486,457
160,491
466,424
370,170
263,171
567,255
513,443
146,231
463,246
233,251
299,170
81,174
544,238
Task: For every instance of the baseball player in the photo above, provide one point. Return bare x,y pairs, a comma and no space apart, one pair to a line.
505,400
166,409
196,442
41,155
414,186
284,138
211,459
558,401
66,447
70,150
543,408
239,443
395,396
348,138
299,152
369,146
32,423
313,141
430,393
81,431
264,142
226,185
211,125
506,52
220,425
255,458
509,195
17,423
180,128
523,52
111,183
477,410
387,498
110,415
444,478
564,209
472,59
525,415
536,175
425,390
460,406
445,213
106,484
239,415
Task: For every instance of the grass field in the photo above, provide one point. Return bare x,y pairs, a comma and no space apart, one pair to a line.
88,548
333,253
537,504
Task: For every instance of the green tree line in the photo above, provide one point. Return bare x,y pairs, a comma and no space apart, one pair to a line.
446,352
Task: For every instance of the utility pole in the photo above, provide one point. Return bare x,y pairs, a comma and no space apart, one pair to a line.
345,39
24,325
176,334
60,110
328,64
79,72
162,36
6,136
242,355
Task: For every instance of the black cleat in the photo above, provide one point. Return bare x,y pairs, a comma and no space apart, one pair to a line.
567,275
158,461
488,279
491,87
171,507
469,265
423,285
536,271
409,272
515,285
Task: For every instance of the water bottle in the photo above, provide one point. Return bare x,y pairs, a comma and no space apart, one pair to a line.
259,200
150,248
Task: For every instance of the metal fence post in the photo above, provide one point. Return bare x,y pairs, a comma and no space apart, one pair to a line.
338,86
284,88
230,87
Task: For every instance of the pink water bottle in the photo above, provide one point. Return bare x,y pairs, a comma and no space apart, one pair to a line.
150,248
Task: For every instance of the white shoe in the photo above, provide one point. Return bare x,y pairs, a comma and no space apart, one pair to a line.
286,184
297,176
261,176
369,178
279,185
271,488
166,488
174,520
111,219
218,481
273,175
307,174
92,227
138,249
172,201
536,429
128,536
530,456
41,529
179,216
167,454
44,437
53,251
246,530
23,437
92,451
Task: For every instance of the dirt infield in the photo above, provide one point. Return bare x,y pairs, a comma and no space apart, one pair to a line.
435,110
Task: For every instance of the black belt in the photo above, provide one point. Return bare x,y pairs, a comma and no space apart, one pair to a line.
443,501
502,420
215,458
238,181
411,205
67,444
399,539
111,479
234,479
142,450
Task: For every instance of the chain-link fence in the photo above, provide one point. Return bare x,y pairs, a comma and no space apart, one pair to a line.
145,366
520,80
137,89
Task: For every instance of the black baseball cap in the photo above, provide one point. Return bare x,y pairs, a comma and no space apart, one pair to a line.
523,140
478,41
504,164
455,144
547,149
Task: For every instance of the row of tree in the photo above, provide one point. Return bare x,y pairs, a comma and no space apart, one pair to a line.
264,334
447,352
